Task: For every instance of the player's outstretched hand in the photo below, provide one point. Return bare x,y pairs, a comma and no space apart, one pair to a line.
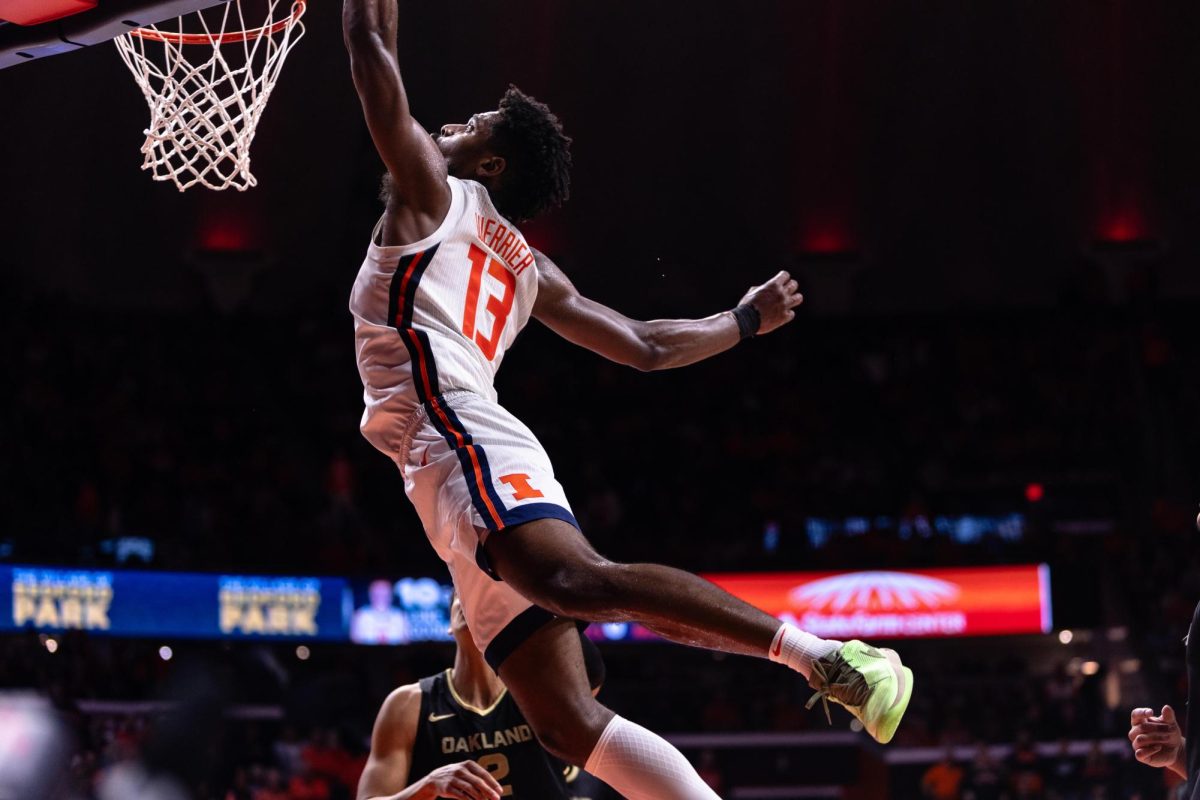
465,780
775,300
1156,739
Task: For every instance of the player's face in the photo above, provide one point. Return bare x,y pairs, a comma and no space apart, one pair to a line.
468,144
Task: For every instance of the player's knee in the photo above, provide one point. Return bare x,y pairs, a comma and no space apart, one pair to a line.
583,589
571,735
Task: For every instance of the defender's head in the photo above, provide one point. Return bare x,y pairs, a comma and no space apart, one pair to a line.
519,152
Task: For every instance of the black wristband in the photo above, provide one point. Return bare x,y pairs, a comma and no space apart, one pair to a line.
748,320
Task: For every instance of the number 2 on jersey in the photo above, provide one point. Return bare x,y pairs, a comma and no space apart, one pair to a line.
497,764
498,307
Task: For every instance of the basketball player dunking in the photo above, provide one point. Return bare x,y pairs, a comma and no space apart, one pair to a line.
447,283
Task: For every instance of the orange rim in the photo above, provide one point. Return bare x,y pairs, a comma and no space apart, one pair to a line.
225,38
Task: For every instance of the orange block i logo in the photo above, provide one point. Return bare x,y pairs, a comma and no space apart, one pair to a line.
519,482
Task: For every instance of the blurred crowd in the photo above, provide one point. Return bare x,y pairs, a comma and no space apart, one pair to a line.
1029,773
260,761
231,443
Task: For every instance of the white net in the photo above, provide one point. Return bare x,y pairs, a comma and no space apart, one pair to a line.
204,110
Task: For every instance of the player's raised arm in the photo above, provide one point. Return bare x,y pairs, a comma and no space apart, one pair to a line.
660,343
417,167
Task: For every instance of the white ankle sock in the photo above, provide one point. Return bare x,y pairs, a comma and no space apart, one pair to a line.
799,649
641,765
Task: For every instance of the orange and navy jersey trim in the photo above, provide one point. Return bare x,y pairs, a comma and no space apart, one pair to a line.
482,487
474,462
471,455
402,298
402,301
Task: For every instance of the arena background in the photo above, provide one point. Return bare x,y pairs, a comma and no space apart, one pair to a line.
990,208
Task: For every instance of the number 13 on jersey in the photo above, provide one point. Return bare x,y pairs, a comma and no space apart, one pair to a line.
496,307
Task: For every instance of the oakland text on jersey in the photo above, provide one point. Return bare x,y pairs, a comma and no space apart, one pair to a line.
498,738
487,740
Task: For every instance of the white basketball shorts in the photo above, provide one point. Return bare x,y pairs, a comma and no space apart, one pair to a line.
472,469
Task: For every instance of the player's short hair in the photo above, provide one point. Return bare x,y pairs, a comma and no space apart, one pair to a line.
537,153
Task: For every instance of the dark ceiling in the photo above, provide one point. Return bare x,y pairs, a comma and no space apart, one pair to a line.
968,151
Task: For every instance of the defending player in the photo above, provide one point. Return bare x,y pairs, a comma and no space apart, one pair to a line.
464,735
447,283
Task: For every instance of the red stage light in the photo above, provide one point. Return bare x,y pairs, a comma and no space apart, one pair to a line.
1125,226
825,242
547,236
825,237
1034,492
225,237
230,224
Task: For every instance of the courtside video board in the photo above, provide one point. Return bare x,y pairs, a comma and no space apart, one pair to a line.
398,612
974,601
206,606
890,604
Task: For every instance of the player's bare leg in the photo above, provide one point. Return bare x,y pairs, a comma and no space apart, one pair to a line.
552,564
547,678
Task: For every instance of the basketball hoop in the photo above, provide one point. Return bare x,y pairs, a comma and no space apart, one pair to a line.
203,113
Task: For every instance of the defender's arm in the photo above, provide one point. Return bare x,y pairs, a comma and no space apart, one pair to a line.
391,746
657,344
417,167
386,775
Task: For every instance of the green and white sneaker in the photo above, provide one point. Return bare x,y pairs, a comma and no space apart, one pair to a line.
870,683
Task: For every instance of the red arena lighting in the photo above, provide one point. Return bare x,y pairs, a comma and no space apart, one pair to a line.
224,237
236,227
826,239
1034,492
1128,225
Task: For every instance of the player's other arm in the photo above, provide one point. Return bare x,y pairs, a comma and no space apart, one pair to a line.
657,344
386,776
417,167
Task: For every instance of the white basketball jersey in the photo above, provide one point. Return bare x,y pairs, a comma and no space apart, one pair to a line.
436,316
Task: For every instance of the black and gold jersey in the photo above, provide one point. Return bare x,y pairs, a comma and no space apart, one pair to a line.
451,730
585,786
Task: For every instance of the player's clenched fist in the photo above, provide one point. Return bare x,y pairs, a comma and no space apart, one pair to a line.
465,780
774,301
1156,740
